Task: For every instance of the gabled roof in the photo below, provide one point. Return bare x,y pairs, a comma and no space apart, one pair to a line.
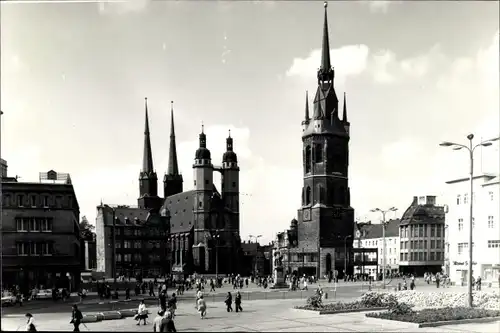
372,231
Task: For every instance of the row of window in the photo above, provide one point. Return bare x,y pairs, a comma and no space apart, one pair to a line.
37,201
137,244
421,256
137,257
34,224
317,154
493,244
491,223
375,242
120,231
421,230
421,244
334,196
465,199
35,249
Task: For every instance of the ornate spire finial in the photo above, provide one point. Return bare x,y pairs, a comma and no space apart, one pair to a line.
172,106
325,4
325,55
202,128
344,115
307,106
229,132
173,168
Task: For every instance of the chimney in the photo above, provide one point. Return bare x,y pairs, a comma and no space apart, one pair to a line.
415,201
3,168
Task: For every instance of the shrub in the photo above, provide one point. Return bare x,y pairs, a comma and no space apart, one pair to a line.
374,299
401,309
314,302
435,315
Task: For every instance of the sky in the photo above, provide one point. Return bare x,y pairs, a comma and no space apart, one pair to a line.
74,77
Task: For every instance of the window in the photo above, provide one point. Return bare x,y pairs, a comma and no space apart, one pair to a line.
473,222
45,225
118,245
438,231
321,194
461,247
137,257
234,184
34,248
466,198
34,224
137,244
433,256
127,257
47,249
137,232
425,244
195,182
22,225
425,256
20,200
433,230
406,256
45,201
458,199
118,257
421,230
438,244
433,244
308,195
33,201
491,223
425,230
402,245
307,159
22,249
318,153
406,244
126,244
420,244
206,181
493,244
492,196
401,257
420,256
460,224
390,251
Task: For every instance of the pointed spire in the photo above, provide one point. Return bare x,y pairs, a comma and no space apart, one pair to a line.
325,53
307,106
203,137
344,115
229,142
147,160
173,167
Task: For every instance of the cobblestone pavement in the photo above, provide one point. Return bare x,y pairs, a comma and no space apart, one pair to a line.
258,316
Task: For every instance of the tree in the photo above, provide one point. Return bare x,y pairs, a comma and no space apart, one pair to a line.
86,229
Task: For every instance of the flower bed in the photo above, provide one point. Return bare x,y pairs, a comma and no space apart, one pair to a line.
368,301
436,315
483,300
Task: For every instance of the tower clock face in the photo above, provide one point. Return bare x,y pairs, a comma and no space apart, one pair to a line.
306,214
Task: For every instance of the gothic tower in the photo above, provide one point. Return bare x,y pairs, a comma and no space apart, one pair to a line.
203,187
148,181
231,184
326,218
172,181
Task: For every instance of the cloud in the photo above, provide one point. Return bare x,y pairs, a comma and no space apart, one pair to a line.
379,6
381,63
348,60
119,7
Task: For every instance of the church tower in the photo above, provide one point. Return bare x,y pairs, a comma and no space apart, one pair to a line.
326,218
172,181
148,181
203,188
231,184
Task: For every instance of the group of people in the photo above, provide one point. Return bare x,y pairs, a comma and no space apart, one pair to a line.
76,320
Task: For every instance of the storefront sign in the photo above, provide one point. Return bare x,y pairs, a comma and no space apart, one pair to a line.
463,263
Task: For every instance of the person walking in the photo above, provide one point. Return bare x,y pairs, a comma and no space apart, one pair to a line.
172,304
158,323
76,318
202,307
237,302
199,295
30,323
229,302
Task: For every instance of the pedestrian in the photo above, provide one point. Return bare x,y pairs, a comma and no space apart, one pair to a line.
199,295
202,307
142,313
212,285
127,294
76,318
237,302
172,305
229,302
30,323
158,323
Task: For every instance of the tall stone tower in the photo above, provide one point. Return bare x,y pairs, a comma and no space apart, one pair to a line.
172,181
231,185
326,220
203,187
148,180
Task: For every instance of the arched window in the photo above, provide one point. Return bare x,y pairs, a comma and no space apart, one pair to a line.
332,194
328,263
307,159
321,194
308,195
318,153
303,196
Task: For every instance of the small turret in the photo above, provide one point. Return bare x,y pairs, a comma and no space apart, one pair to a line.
346,123
229,159
202,153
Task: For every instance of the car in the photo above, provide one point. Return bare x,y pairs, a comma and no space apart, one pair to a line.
44,294
8,298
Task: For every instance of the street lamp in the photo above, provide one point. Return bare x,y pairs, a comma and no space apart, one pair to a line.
214,235
384,223
256,254
470,148
113,269
345,254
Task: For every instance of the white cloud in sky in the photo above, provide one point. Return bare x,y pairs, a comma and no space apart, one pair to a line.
118,7
379,6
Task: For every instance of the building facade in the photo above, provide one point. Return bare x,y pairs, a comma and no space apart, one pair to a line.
486,230
324,227
41,242
180,232
370,237
422,237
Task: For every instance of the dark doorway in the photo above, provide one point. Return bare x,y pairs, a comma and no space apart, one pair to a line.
328,263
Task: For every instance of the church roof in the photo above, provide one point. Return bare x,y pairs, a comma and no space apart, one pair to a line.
181,209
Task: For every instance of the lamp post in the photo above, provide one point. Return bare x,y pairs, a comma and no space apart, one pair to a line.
113,269
470,148
345,254
384,223
256,241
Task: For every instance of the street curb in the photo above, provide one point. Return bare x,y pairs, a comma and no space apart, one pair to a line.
109,315
460,322
327,312
443,323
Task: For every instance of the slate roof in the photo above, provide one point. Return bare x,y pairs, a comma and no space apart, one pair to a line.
126,216
181,208
423,213
372,231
